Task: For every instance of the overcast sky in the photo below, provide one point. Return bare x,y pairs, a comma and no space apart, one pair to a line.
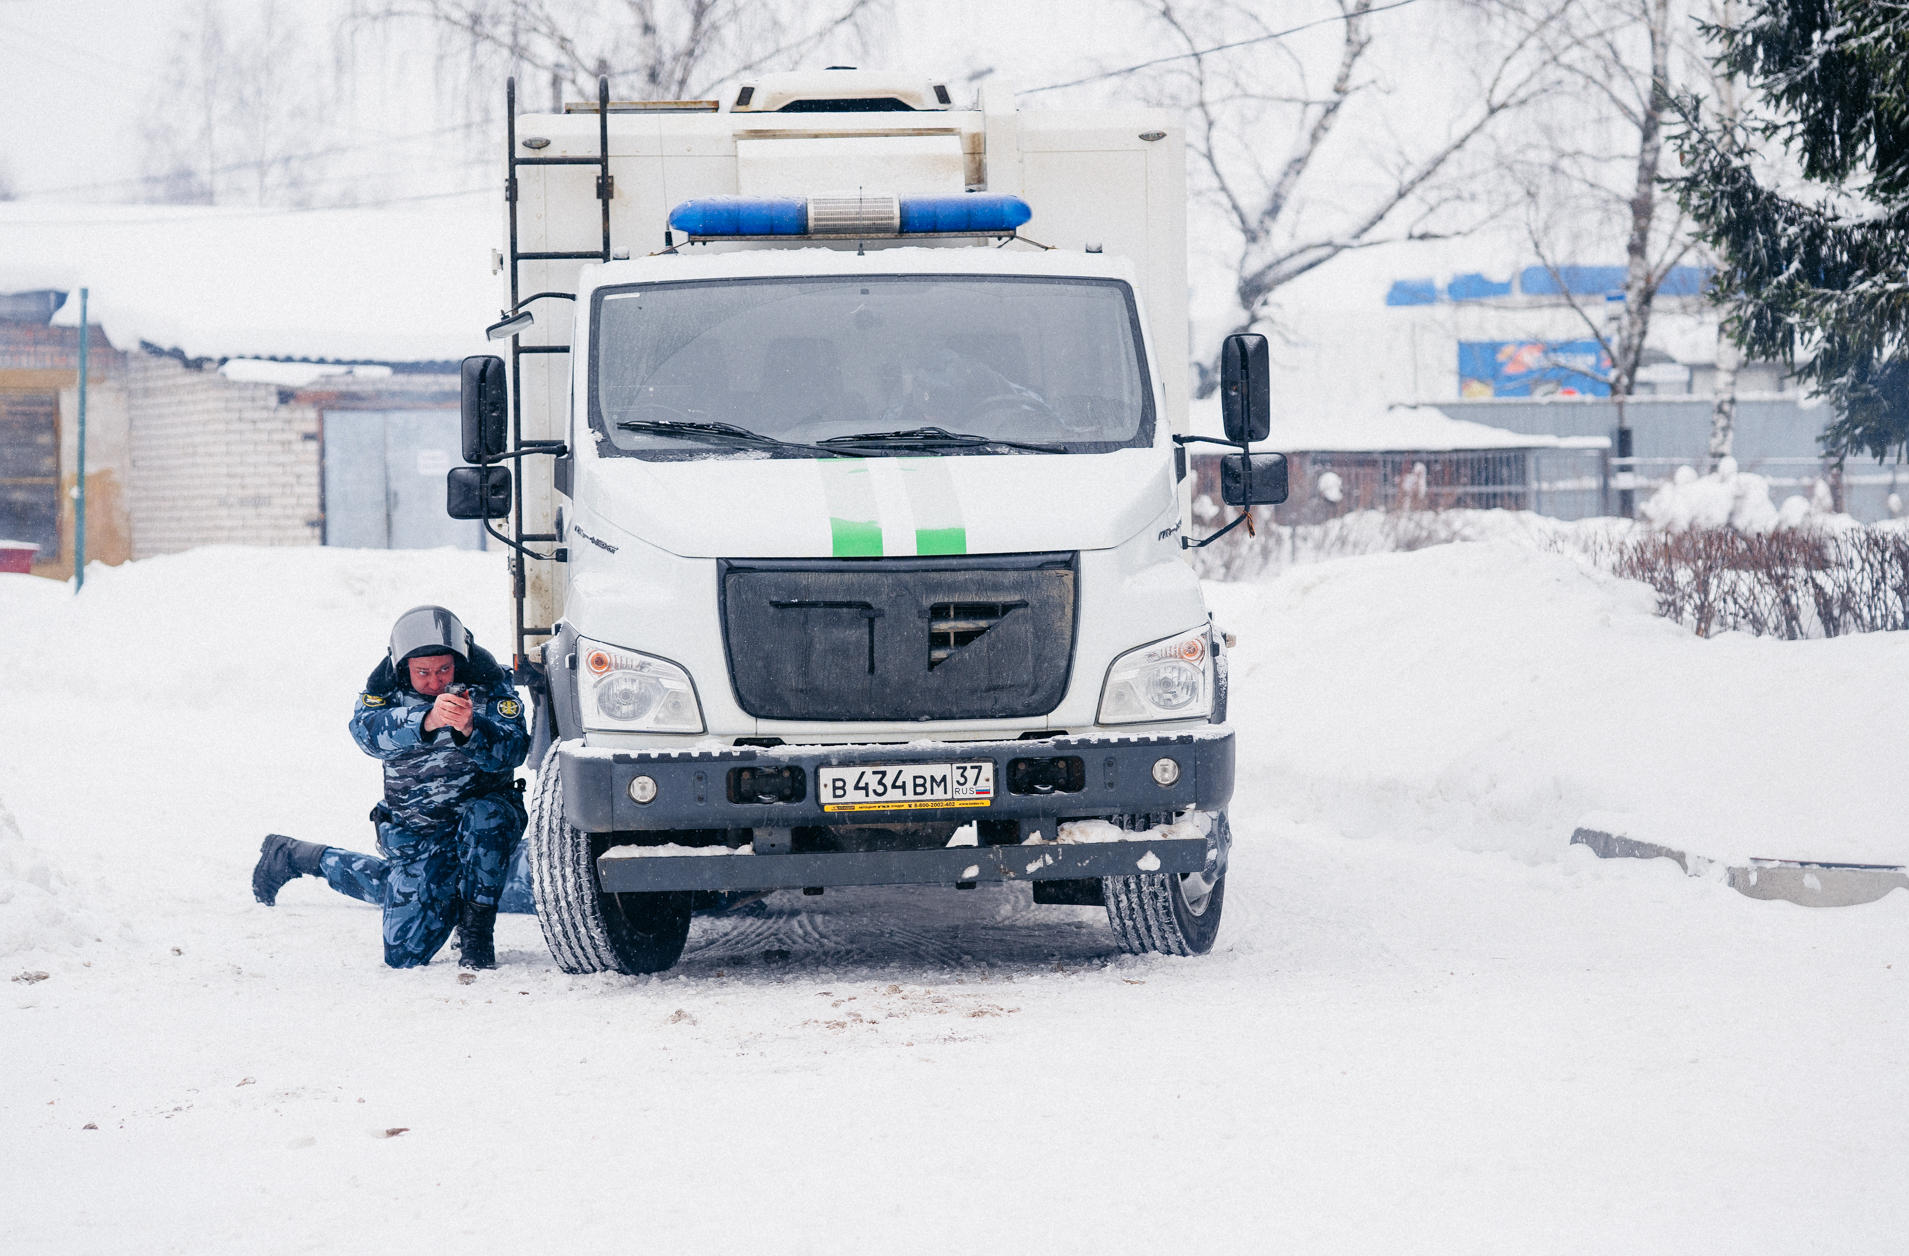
75,75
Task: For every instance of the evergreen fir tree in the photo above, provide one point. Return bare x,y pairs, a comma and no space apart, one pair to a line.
1817,273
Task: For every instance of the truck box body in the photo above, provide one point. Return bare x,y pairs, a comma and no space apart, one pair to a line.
1088,176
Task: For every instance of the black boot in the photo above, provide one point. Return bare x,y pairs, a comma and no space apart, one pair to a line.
475,947
281,859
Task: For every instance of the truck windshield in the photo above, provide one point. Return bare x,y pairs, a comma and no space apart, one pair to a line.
904,364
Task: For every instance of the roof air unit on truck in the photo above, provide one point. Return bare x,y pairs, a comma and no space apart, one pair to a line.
841,449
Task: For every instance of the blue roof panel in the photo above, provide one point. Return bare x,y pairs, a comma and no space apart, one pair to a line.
1475,287
1413,292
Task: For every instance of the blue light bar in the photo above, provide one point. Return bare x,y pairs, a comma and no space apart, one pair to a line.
976,211
973,213
742,215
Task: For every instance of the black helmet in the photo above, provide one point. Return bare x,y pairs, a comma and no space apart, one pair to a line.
426,630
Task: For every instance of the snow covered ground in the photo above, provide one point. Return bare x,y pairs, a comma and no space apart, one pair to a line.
1429,1026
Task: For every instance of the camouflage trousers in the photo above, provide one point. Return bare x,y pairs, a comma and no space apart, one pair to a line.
420,880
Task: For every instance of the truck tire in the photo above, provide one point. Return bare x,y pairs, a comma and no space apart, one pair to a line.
1166,913
589,931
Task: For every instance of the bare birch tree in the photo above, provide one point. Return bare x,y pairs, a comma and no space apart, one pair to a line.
649,49
239,116
1723,406
1592,172
1271,149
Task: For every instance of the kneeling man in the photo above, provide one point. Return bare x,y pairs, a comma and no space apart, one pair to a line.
446,721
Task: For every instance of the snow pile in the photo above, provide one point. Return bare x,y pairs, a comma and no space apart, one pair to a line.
1494,695
672,850
1729,498
1192,824
39,904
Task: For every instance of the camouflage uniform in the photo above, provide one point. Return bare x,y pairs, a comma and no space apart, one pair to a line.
451,812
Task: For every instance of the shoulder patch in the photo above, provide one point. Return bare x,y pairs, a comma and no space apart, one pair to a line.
509,708
372,699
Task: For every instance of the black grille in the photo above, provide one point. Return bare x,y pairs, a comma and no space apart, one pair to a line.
952,625
984,637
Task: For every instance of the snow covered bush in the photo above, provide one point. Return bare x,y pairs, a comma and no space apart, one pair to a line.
1791,582
1720,555
1723,557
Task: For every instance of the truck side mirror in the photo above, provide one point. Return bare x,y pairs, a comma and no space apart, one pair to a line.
1246,399
511,326
486,404
1269,479
477,492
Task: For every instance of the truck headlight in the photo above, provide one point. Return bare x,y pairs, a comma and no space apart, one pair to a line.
1168,680
622,689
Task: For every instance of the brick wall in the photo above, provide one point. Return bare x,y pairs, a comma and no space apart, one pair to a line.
217,462
28,346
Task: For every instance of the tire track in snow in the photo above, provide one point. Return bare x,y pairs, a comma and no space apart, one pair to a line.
901,926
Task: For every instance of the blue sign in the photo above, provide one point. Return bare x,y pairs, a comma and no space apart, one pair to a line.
1533,368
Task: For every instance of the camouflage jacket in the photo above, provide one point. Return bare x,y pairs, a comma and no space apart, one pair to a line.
428,777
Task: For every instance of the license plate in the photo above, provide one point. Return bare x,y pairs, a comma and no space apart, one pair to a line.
905,787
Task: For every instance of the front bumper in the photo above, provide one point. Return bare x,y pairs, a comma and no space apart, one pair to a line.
625,870
694,788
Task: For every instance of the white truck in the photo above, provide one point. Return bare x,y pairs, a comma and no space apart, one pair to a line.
849,505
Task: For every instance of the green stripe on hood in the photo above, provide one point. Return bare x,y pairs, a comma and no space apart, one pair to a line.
854,524
939,526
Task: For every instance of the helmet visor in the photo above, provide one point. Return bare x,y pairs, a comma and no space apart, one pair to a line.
427,630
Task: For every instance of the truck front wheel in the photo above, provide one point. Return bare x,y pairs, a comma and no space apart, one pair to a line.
589,931
1163,912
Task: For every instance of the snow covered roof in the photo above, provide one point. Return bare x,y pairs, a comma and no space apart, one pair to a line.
1395,429
397,285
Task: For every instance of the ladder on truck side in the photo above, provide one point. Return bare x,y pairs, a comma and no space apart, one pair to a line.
524,673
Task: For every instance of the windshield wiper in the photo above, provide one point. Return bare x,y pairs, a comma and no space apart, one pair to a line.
722,434
929,437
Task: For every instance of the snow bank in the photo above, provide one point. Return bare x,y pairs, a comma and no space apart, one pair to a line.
1493,695
228,625
39,904
1361,532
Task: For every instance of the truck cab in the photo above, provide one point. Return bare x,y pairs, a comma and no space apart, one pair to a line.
848,514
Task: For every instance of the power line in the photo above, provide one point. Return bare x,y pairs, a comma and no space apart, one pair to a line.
252,213
258,164
1239,43
87,54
